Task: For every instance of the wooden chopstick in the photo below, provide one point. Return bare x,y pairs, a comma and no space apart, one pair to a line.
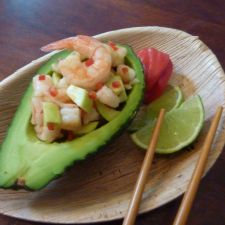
189,196
140,184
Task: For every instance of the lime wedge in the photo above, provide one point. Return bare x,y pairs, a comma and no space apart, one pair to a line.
170,100
180,127
140,119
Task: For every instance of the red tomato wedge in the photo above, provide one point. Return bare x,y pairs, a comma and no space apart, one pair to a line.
158,68
158,89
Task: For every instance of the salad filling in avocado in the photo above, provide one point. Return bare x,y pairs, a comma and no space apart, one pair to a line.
87,85
78,101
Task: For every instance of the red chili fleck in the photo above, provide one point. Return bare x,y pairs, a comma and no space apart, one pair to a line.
99,85
53,91
41,77
116,84
124,70
92,95
89,62
51,126
70,135
113,45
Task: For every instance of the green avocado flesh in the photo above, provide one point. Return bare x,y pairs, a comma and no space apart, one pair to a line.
27,160
51,113
80,97
87,128
106,112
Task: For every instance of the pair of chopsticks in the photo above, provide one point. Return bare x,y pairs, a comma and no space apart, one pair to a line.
189,196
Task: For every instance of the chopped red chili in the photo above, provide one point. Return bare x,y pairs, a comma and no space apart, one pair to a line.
53,91
92,95
89,62
116,84
113,45
99,85
70,135
51,126
41,77
124,70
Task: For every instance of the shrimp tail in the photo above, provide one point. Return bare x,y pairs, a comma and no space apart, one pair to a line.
66,43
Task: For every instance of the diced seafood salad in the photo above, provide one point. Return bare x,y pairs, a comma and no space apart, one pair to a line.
91,81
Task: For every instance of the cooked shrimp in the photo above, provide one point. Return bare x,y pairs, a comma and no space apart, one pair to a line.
108,97
58,96
83,74
118,53
46,134
41,85
71,117
37,111
44,87
126,73
91,116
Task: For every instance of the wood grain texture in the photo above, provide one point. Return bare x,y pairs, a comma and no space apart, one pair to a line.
99,188
27,25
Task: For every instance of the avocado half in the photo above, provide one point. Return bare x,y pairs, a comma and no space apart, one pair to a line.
27,162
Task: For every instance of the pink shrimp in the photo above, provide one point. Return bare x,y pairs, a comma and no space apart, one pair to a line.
37,111
106,96
44,88
83,74
46,134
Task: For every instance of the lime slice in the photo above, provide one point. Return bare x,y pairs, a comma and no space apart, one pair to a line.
180,127
170,100
140,119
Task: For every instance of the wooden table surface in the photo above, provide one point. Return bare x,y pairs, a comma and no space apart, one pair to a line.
26,25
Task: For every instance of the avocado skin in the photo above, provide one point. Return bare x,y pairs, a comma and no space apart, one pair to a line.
23,155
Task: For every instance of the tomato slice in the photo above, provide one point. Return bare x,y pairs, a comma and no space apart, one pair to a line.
158,61
158,68
158,89
143,56
154,63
